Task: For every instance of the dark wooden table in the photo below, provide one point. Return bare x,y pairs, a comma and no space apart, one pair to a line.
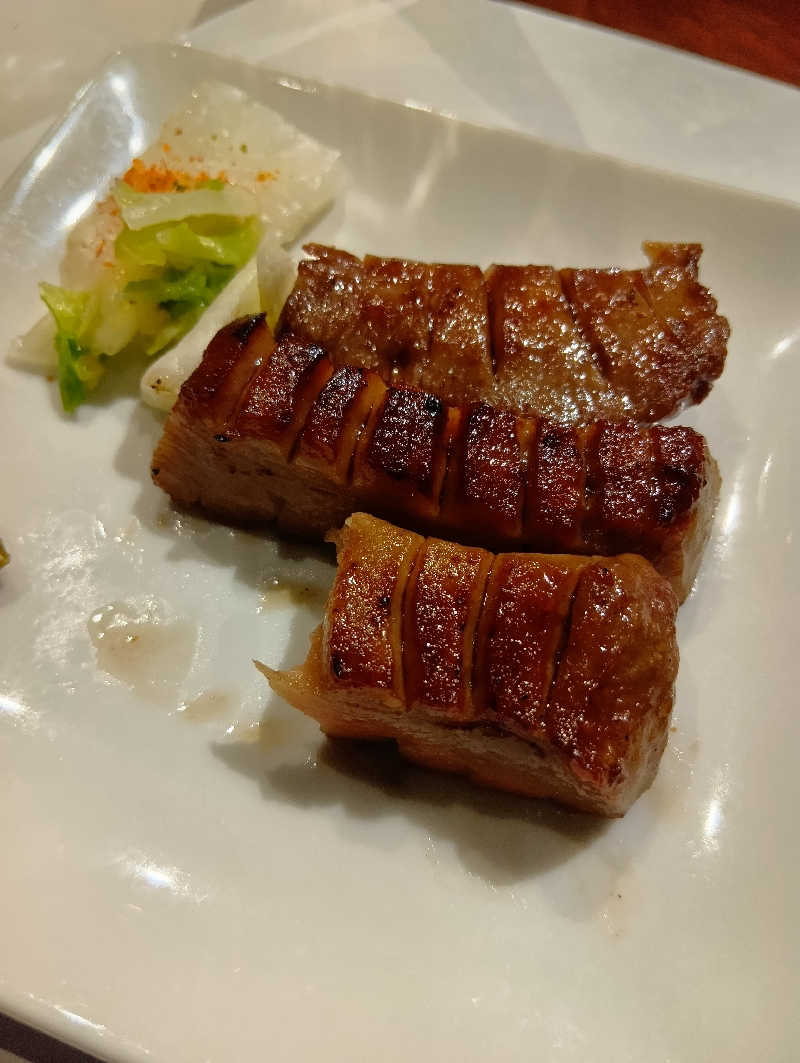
758,35
36,1047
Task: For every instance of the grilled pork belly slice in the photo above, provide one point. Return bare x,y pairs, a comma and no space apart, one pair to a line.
267,432
546,675
572,345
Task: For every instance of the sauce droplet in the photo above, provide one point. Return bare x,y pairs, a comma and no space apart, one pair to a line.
277,592
141,648
209,705
248,732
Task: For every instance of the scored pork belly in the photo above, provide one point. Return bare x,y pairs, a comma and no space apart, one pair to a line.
565,692
273,432
572,345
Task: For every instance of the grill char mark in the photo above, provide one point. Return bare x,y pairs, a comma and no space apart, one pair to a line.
216,388
362,636
556,491
443,603
335,419
403,452
679,453
281,392
485,490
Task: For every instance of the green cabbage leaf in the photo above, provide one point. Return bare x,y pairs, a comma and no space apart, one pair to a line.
164,277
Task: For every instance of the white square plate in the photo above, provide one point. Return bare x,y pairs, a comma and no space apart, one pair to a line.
219,883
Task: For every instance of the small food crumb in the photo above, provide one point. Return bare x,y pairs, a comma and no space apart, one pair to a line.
243,149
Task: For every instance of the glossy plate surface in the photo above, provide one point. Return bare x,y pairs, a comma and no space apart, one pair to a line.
189,870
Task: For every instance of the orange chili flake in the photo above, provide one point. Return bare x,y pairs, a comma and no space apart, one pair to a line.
166,147
162,178
265,175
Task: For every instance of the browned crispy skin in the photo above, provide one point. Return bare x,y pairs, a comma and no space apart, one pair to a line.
485,488
234,354
443,601
281,392
336,418
363,624
522,627
556,490
575,345
566,694
457,365
689,311
607,700
543,361
411,322
656,333
328,300
400,461
307,445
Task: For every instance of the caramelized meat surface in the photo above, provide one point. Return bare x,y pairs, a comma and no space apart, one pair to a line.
566,692
572,345
265,432
443,603
363,627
